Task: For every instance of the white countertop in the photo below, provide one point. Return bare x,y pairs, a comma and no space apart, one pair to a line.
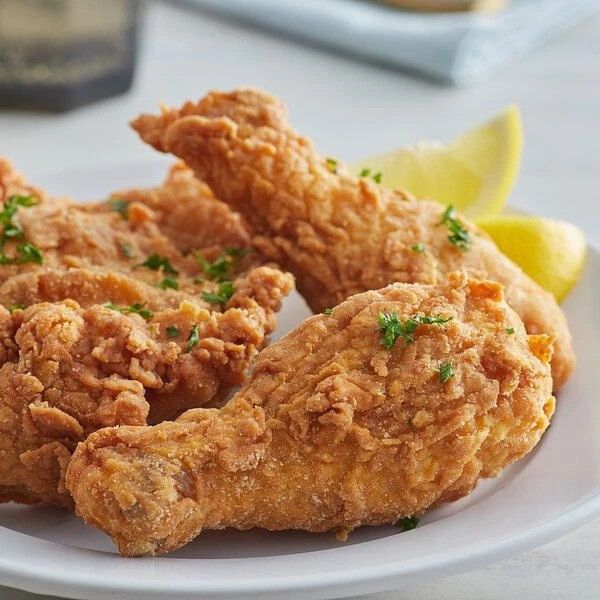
351,110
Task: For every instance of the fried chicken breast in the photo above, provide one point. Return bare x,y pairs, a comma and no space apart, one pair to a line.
337,233
351,419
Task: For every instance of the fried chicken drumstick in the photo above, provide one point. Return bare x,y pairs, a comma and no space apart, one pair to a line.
398,400
337,233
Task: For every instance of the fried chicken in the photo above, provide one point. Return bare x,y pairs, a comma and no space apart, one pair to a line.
68,370
121,234
72,365
337,233
351,419
187,213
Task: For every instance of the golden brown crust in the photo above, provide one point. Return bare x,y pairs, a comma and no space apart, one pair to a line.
334,430
338,234
67,371
70,365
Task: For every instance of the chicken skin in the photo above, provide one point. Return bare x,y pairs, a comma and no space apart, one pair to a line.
337,233
397,401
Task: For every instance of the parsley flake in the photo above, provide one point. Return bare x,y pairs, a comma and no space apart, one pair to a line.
366,172
218,269
137,308
168,283
328,311
119,205
156,262
446,372
458,235
418,248
221,297
193,338
408,523
172,331
332,164
392,328
29,253
510,330
11,228
19,306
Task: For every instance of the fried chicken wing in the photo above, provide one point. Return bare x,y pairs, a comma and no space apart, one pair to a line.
68,370
337,233
353,418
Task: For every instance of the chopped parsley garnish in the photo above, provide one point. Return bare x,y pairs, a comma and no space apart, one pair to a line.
446,372
193,338
172,331
332,164
458,235
392,328
510,330
29,253
156,262
215,270
127,250
9,210
328,311
12,230
121,206
168,283
376,177
221,297
19,306
218,269
408,523
137,308
419,248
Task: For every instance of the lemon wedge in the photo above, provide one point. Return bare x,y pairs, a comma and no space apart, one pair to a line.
551,252
475,173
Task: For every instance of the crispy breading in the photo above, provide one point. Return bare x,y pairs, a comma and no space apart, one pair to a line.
68,370
337,233
334,430
189,224
70,235
89,354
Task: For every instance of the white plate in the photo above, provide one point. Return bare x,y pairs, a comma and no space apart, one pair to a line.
549,493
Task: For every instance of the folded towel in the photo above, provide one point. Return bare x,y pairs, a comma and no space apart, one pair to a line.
458,48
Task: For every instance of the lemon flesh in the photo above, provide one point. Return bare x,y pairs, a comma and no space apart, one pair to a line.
475,173
551,252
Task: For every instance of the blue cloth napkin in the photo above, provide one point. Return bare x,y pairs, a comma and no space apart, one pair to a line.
457,48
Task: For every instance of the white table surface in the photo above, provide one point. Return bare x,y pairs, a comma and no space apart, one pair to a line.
352,110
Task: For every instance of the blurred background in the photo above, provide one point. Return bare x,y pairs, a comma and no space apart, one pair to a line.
66,67
360,77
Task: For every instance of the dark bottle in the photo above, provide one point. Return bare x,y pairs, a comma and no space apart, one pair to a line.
57,55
